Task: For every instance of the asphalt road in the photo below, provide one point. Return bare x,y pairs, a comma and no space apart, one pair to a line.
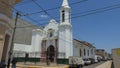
93,65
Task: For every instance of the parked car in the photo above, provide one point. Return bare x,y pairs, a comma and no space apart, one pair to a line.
92,60
96,60
87,61
76,62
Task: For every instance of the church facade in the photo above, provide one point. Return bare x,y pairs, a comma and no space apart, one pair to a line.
55,39
52,42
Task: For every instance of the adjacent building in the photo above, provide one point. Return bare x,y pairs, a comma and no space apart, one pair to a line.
83,49
116,57
102,54
6,27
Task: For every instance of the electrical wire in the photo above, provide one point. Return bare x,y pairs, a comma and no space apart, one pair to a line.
95,11
54,8
43,10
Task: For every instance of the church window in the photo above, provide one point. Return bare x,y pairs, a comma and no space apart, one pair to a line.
92,51
63,16
51,34
69,16
88,52
80,53
84,52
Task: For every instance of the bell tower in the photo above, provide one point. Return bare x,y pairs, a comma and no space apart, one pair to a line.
65,30
65,13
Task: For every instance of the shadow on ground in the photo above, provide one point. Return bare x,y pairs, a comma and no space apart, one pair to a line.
112,65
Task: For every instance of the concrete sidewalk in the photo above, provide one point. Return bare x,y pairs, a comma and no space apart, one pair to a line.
37,65
105,65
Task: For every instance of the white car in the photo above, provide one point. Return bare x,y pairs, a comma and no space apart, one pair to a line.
76,62
87,61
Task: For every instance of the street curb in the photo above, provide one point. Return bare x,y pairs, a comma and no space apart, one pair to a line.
65,66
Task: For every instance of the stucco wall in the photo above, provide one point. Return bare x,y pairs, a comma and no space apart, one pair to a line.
22,47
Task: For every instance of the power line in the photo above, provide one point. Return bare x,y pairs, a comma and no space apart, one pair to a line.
104,9
54,8
43,9
94,11
21,14
33,20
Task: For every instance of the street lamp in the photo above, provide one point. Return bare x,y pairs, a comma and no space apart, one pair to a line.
12,41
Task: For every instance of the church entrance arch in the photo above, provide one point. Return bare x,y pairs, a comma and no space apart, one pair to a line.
51,53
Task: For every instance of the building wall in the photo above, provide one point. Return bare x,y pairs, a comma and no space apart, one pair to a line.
116,57
76,48
6,7
6,26
87,53
5,29
65,40
76,51
22,47
37,37
102,53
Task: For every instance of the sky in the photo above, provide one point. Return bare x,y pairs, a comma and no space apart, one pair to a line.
101,29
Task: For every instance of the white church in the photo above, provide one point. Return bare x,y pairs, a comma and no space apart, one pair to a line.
52,42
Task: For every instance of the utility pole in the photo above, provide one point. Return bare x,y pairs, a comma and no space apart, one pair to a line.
12,41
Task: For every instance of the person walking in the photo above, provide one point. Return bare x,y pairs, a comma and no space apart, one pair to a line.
14,61
2,64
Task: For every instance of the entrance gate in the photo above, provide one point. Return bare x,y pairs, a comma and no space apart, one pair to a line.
51,53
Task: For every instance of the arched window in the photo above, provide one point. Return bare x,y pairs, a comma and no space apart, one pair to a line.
80,53
63,16
92,51
50,33
84,52
69,17
88,52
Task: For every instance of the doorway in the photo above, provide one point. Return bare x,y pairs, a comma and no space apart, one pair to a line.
5,47
51,53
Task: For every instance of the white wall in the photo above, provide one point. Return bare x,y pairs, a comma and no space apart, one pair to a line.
37,36
90,54
76,50
65,40
22,47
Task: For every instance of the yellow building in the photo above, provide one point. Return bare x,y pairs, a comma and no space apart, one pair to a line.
116,57
6,27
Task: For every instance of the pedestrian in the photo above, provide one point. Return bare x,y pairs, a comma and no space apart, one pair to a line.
2,64
14,61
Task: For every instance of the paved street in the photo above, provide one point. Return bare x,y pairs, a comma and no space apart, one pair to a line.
94,65
105,65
